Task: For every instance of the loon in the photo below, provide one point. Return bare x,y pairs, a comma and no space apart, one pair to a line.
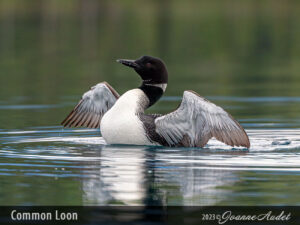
122,119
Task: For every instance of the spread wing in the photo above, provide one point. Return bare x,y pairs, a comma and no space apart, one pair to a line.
196,120
92,106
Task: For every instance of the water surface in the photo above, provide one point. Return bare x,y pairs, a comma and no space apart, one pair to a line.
51,165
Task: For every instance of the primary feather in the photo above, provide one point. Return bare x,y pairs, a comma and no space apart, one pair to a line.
92,106
196,121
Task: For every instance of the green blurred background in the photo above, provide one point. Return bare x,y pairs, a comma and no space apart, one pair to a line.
53,49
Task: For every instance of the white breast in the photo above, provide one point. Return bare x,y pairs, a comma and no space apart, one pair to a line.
121,125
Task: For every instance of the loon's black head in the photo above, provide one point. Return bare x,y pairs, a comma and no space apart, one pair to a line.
153,73
152,70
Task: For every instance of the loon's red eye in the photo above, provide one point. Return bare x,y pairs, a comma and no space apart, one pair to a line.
148,65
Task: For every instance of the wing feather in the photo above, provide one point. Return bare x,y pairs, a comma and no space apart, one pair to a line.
197,120
92,106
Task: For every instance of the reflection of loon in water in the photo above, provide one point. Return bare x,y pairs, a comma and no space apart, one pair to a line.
122,119
120,178
135,176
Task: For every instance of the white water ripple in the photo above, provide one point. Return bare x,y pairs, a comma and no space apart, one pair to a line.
260,139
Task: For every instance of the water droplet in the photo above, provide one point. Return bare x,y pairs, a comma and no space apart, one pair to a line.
281,142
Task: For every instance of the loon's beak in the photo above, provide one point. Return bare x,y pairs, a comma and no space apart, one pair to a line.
128,62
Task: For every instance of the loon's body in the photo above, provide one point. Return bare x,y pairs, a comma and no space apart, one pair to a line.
122,124
122,119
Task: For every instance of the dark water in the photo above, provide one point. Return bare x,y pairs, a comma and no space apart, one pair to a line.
243,56
52,166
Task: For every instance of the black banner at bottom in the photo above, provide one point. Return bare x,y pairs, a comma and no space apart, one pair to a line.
149,215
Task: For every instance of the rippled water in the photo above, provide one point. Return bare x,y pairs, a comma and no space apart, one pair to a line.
49,165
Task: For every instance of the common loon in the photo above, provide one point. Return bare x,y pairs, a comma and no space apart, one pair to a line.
122,119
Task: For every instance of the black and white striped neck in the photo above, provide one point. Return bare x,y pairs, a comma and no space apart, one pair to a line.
153,91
